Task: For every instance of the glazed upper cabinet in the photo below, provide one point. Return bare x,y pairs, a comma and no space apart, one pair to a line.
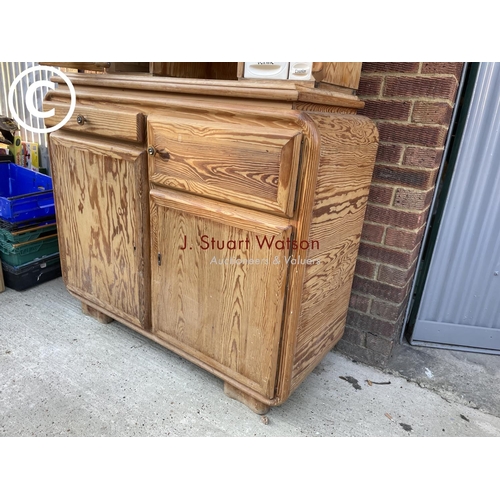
222,220
102,218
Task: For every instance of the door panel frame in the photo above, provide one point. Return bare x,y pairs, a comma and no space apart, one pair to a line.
251,355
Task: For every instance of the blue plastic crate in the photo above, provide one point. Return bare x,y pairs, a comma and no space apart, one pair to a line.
24,194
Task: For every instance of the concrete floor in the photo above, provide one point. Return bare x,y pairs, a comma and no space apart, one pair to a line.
470,378
65,374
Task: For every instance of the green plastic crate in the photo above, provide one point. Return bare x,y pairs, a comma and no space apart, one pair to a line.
24,235
22,253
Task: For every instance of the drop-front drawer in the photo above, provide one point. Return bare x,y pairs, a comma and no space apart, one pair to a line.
118,124
237,159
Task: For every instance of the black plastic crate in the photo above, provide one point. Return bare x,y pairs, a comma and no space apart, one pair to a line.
29,224
32,274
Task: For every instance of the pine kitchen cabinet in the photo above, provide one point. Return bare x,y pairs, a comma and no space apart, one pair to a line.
219,218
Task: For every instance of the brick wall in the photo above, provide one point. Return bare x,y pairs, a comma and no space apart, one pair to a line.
411,103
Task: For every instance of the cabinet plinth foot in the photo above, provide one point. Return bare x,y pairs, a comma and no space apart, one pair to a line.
252,403
94,313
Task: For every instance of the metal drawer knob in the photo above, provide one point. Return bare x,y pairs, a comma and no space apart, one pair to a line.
80,119
164,155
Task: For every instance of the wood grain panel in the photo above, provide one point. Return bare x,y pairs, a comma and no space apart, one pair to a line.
224,70
251,165
329,97
346,171
181,69
269,90
326,297
103,219
348,150
128,67
227,88
113,123
344,74
207,70
323,108
226,313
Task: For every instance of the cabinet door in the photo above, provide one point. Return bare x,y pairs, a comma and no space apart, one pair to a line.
101,195
218,284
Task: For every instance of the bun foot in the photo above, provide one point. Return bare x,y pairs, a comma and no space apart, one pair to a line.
252,403
94,313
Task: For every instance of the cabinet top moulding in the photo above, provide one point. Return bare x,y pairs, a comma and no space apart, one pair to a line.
275,90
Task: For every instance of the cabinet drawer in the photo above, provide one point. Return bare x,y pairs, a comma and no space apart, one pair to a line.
247,162
118,124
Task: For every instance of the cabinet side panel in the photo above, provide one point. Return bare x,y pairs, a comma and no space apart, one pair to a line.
348,150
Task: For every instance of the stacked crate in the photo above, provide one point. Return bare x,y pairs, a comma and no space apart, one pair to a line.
29,250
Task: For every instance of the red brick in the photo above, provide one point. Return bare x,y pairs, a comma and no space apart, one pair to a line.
382,291
393,217
389,153
396,277
444,68
387,310
390,67
372,232
370,85
367,323
359,303
387,255
422,157
405,240
418,135
357,353
443,87
403,176
354,336
413,200
365,268
379,344
381,194
387,110
432,112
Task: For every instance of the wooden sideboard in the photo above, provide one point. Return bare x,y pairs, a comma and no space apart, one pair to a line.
219,218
